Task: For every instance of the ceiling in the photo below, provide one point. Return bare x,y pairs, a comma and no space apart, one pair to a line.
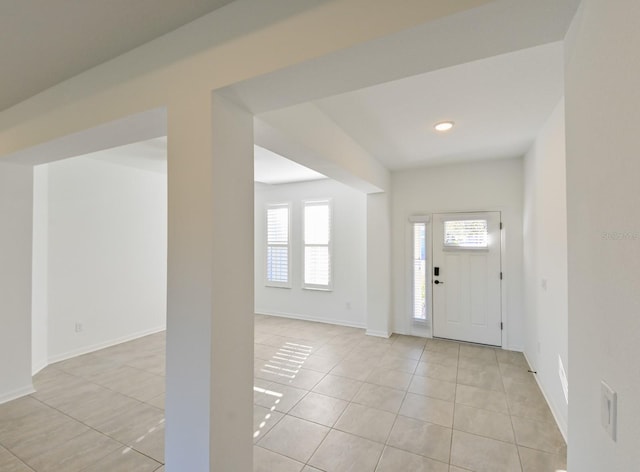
498,104
44,42
271,168
151,155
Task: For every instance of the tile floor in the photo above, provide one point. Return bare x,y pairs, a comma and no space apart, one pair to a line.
327,398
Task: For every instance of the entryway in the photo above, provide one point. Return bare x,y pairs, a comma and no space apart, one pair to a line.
467,277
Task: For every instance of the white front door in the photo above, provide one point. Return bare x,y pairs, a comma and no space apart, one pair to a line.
466,277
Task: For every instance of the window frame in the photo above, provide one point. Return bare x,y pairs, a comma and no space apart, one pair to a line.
267,282
329,245
454,248
418,325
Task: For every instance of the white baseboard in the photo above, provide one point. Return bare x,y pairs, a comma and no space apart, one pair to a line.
17,393
561,426
378,334
38,367
515,349
96,347
317,319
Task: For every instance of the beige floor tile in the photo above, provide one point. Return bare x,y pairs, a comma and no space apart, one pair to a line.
486,377
369,423
22,408
46,436
294,438
434,388
437,357
483,454
281,396
338,387
403,364
511,357
319,408
132,423
77,454
539,461
437,371
538,435
158,402
320,363
10,463
86,366
390,378
153,363
305,379
382,398
263,420
480,398
451,348
99,407
515,372
357,370
124,460
151,443
394,460
97,389
408,351
265,460
478,352
343,452
62,384
20,425
486,423
133,382
428,409
476,362
419,437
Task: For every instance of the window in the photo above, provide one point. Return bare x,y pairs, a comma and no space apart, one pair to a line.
466,234
278,248
419,294
317,245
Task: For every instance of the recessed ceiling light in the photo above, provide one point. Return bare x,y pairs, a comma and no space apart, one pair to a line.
443,126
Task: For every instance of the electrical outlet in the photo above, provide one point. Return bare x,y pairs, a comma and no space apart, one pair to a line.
543,284
78,327
608,409
348,305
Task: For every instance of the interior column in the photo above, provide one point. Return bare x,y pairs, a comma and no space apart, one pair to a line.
209,413
378,265
16,214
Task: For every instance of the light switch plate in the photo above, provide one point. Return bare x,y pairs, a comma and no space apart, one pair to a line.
608,409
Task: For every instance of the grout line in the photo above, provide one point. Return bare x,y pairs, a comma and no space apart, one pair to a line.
17,458
455,396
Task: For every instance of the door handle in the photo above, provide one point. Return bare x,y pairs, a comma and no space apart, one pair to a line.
437,282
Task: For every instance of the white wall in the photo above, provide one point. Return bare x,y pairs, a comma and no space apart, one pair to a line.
349,241
40,267
603,196
107,253
491,186
16,203
545,261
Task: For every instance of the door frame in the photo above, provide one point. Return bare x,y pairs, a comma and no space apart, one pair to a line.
416,328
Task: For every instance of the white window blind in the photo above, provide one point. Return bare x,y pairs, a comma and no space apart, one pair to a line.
278,249
317,244
466,234
419,272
